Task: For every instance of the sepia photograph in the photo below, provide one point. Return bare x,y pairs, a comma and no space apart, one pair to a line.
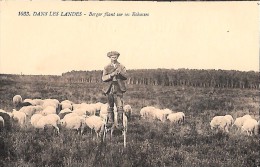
129,84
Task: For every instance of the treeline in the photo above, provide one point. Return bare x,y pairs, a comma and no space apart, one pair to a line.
163,77
179,77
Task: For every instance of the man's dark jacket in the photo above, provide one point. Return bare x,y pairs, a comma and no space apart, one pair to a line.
120,78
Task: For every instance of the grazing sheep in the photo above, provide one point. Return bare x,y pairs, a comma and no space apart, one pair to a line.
128,111
66,104
49,110
38,102
20,117
162,114
96,123
159,114
68,116
240,121
230,119
97,107
28,110
74,122
17,99
90,109
147,112
219,122
247,117
35,118
249,126
176,117
48,120
103,111
81,112
2,122
67,101
49,102
38,109
76,106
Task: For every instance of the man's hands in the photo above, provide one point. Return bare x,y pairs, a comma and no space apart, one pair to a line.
116,72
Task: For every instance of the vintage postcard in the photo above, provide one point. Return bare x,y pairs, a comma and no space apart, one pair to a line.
115,83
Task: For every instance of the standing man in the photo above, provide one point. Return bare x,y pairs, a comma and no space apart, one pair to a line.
114,75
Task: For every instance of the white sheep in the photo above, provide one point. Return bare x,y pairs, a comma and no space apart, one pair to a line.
80,111
104,111
74,122
96,123
98,106
38,109
38,102
66,104
49,102
48,120
147,112
176,117
94,108
219,122
68,116
159,114
249,126
230,119
240,121
90,109
17,99
28,110
49,110
162,114
35,118
76,106
2,122
20,117
67,101
128,111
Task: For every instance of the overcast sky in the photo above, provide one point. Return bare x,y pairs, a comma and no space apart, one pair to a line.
198,35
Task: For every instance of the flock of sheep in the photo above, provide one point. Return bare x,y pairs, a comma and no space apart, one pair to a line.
243,124
151,112
41,113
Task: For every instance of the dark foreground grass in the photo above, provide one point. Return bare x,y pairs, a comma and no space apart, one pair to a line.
149,142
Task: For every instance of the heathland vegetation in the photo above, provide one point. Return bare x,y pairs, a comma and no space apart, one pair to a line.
200,94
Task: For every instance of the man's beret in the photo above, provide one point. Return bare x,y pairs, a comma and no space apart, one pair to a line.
113,53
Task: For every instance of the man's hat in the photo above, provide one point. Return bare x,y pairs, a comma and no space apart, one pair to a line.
113,53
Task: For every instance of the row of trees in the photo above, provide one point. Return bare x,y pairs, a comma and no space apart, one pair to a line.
179,77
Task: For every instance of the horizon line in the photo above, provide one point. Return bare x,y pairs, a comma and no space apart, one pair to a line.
127,70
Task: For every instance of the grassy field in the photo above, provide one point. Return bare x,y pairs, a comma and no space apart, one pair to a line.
149,142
